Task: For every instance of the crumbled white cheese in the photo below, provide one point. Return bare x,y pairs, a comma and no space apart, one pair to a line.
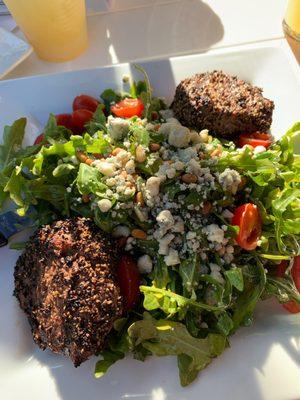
172,258
145,264
215,272
164,244
214,233
106,168
120,231
117,128
152,185
259,149
179,165
187,154
178,226
179,136
104,205
165,218
230,180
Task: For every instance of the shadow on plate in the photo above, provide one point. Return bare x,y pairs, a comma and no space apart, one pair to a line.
232,376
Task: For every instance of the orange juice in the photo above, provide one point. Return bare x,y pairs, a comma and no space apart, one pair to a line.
291,21
56,28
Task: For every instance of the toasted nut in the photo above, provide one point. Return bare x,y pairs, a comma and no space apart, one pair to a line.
189,178
85,198
98,156
243,183
89,161
140,154
206,208
124,174
154,115
154,147
129,184
83,158
216,152
156,127
139,234
116,151
139,199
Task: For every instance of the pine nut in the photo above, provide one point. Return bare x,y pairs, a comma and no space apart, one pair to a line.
139,199
83,158
116,151
206,208
140,154
217,152
139,234
85,198
154,147
189,178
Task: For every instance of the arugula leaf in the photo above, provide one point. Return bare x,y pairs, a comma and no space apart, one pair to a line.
254,277
235,276
12,141
160,274
283,289
109,358
19,191
52,131
171,303
98,122
164,337
189,270
109,96
89,180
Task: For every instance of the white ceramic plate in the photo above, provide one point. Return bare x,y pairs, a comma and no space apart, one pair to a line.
13,50
263,361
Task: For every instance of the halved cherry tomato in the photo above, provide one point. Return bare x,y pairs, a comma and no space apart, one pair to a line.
129,280
291,306
247,218
128,108
39,139
85,102
64,120
255,139
79,119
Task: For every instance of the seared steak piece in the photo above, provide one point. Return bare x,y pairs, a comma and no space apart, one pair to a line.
223,104
66,283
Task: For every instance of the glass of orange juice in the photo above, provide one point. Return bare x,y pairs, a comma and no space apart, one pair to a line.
56,29
291,22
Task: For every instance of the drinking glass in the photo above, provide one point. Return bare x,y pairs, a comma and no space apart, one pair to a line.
291,22
56,29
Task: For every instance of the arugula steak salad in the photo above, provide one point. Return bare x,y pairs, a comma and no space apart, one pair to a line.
157,229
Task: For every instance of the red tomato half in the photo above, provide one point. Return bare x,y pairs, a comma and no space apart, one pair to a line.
79,119
85,102
128,108
255,139
129,280
39,139
64,120
291,306
247,218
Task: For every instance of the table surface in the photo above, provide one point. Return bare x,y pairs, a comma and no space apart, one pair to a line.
129,30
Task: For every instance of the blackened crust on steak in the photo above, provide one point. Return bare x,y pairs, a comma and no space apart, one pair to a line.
66,283
223,104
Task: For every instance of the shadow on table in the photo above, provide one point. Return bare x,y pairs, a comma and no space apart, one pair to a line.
234,375
154,31
182,27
